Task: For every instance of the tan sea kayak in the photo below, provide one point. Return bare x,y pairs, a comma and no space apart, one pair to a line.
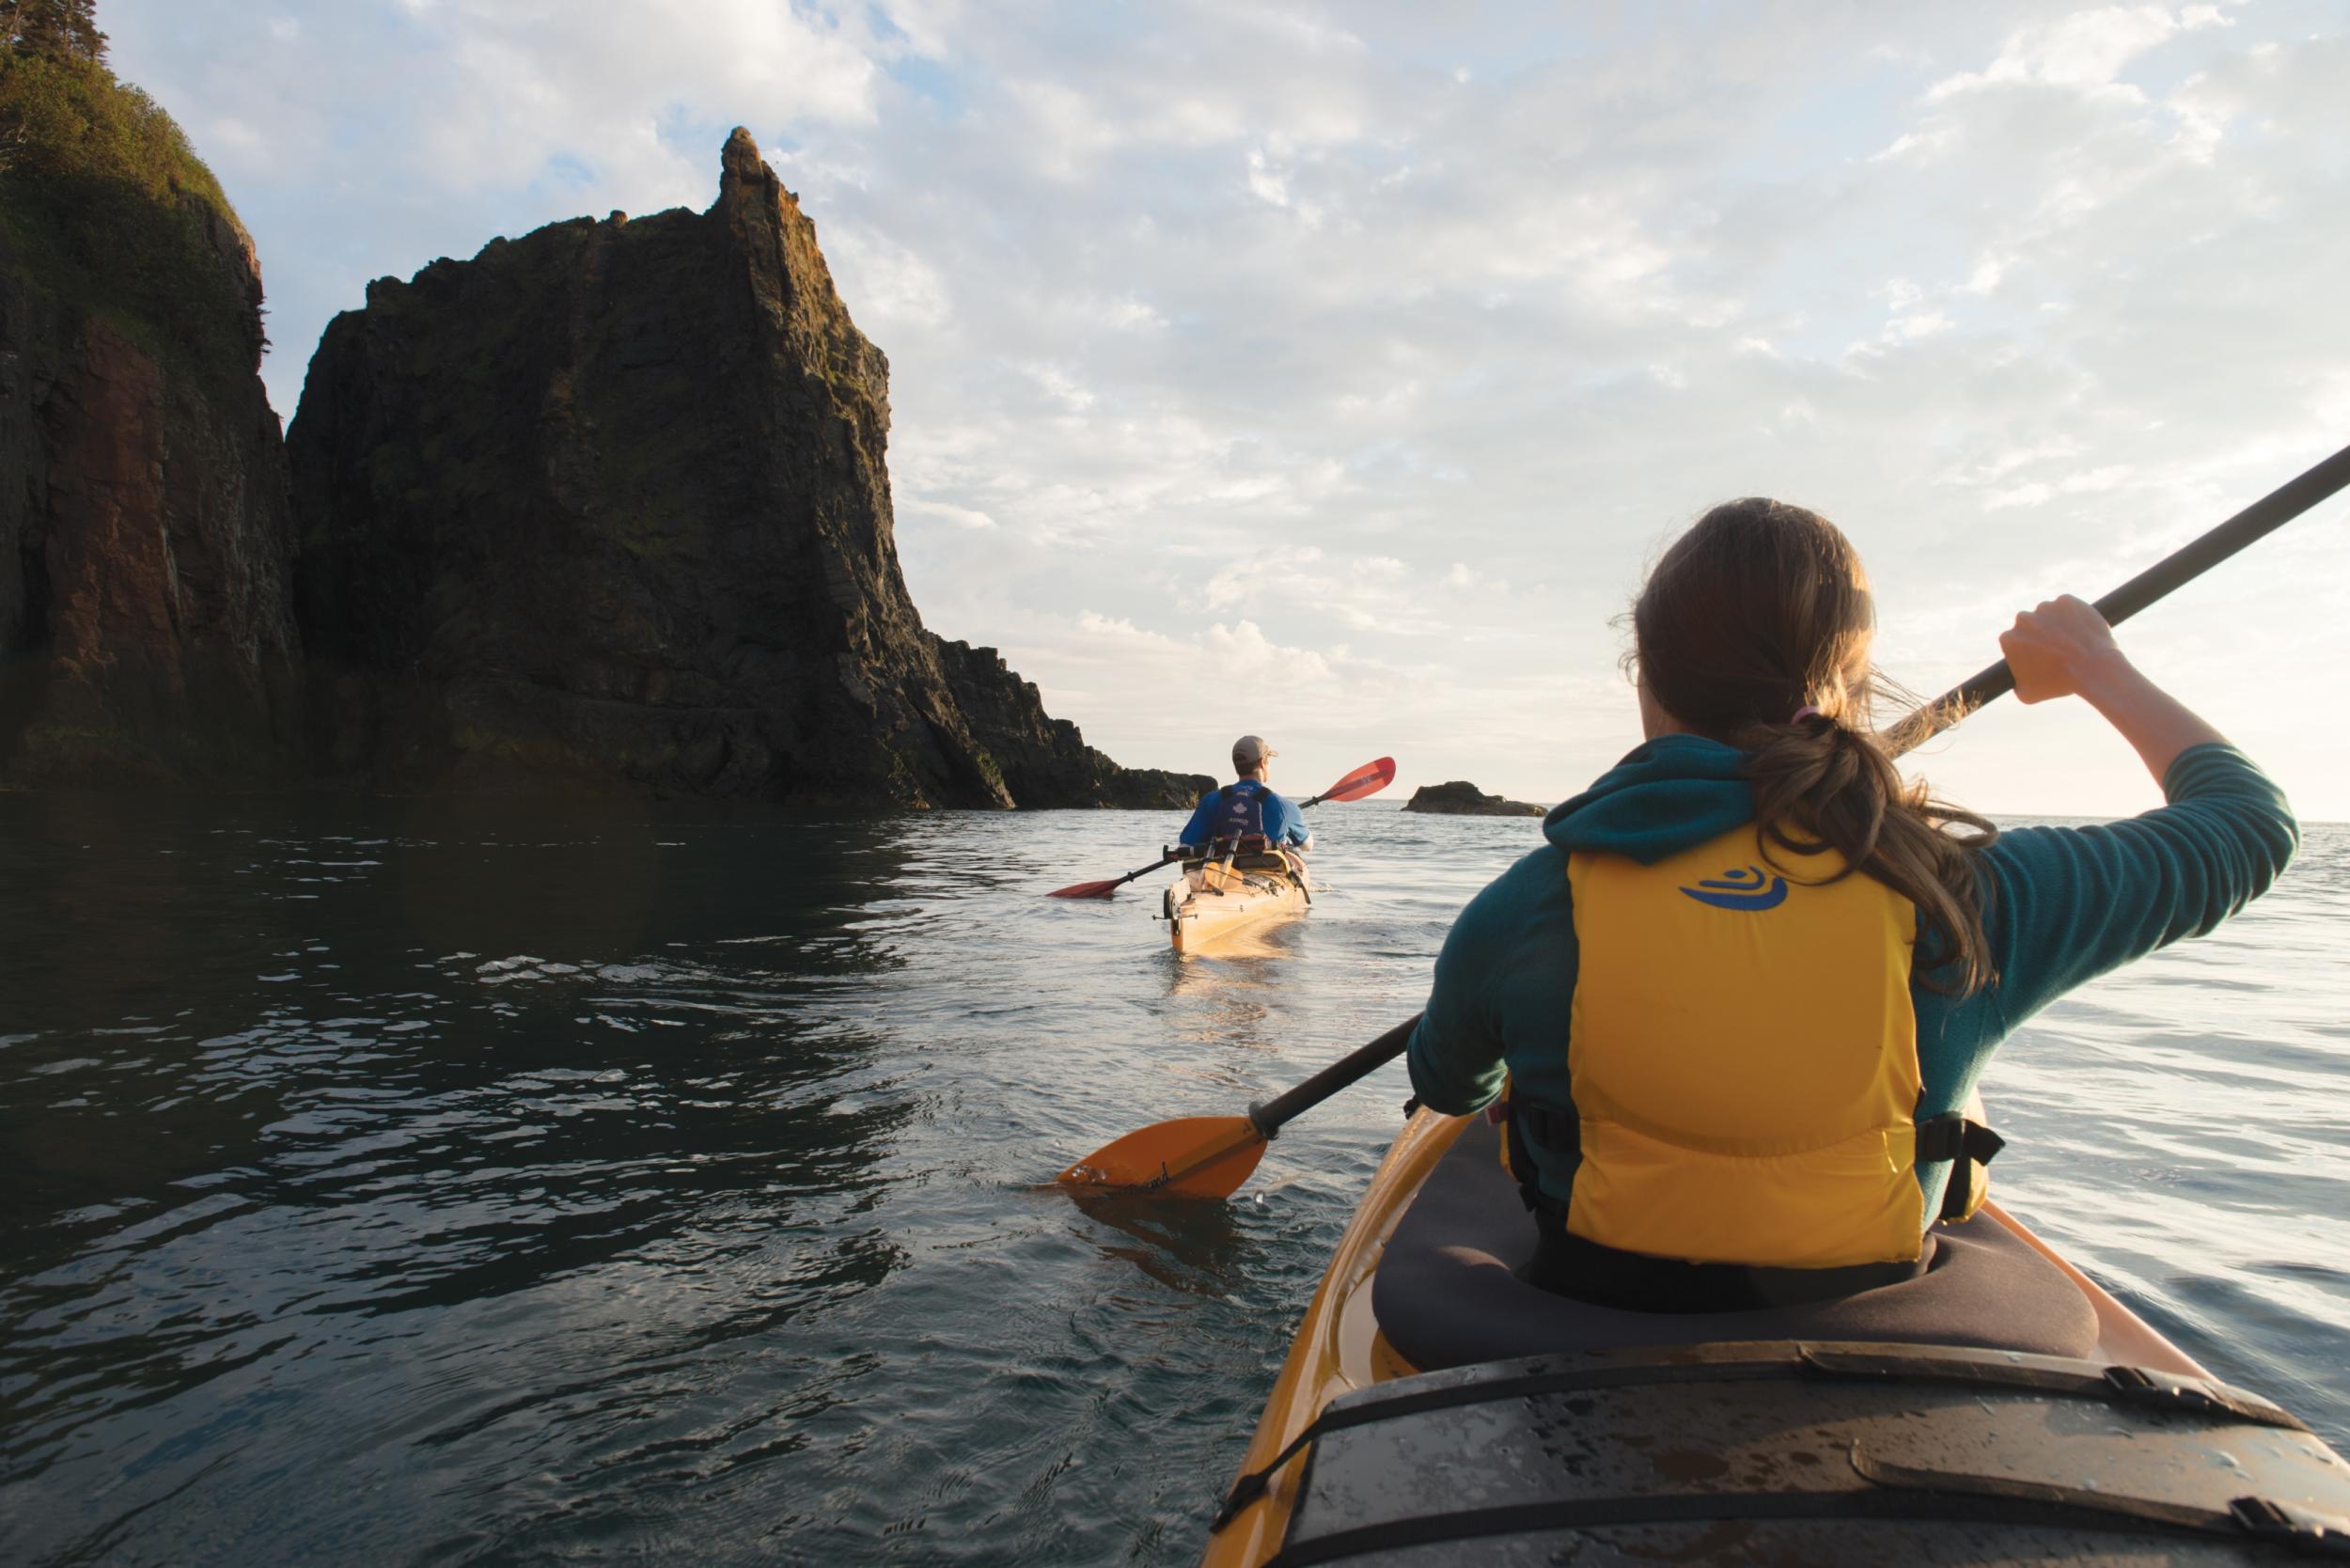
1216,901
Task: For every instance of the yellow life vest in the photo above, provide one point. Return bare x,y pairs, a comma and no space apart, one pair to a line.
1743,1054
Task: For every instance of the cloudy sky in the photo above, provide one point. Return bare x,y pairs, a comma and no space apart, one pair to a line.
1331,370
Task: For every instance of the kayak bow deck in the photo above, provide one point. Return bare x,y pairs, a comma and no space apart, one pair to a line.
1760,1449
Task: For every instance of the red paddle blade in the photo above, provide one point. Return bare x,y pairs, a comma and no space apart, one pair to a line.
1193,1156
1369,779
1087,889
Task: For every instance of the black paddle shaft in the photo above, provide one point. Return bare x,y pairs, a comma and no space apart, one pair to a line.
1166,856
1354,1065
2182,566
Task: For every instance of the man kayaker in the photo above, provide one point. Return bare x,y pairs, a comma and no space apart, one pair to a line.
1248,806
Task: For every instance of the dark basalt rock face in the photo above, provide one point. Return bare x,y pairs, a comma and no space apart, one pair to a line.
1461,798
146,632
1043,759
606,508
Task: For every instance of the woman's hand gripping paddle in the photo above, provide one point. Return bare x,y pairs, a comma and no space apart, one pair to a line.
1369,779
1210,1156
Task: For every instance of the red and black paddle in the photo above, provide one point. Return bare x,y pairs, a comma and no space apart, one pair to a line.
1369,779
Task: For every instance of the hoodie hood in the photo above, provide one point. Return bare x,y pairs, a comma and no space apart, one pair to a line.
1667,795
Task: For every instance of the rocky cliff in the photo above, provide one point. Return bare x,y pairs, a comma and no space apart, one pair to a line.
1044,760
146,632
606,507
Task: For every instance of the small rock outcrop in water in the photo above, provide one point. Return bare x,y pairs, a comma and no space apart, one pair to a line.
146,632
1463,799
606,506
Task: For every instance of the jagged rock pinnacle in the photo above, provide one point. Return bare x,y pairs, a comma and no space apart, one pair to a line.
742,161
607,507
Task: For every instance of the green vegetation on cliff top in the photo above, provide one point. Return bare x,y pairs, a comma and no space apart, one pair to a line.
105,209
53,29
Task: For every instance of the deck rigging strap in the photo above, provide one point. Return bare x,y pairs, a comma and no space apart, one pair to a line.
1891,1496
2326,1535
2129,1387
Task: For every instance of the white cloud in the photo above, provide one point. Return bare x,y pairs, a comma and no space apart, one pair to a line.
1917,324
1059,386
1918,146
1989,269
1131,315
1364,593
1264,183
1241,651
1238,583
2085,49
2094,481
1065,131
961,517
892,285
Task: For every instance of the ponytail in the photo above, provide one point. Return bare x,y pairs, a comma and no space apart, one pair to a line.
1762,611
1819,785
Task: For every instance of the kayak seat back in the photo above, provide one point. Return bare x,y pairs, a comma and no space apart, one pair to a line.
1246,843
1255,852
1447,1293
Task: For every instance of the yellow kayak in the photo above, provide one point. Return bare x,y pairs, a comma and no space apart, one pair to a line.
1433,1409
1216,901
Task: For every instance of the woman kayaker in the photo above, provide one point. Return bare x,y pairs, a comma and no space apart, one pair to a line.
1745,991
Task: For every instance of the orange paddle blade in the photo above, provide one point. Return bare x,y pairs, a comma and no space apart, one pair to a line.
1369,779
1193,1156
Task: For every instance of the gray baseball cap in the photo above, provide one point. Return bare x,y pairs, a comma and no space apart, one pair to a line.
1249,750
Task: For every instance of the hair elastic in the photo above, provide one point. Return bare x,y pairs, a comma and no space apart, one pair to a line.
1807,711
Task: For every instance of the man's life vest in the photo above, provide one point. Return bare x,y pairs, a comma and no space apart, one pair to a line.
1743,1059
1240,810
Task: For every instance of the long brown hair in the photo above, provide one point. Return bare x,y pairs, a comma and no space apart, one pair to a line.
1761,610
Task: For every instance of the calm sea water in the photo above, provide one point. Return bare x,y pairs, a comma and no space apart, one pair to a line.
431,1184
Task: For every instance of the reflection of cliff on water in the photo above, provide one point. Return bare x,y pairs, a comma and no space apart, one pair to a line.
269,1069
162,956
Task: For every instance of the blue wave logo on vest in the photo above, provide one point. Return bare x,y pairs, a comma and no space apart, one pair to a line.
1741,890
